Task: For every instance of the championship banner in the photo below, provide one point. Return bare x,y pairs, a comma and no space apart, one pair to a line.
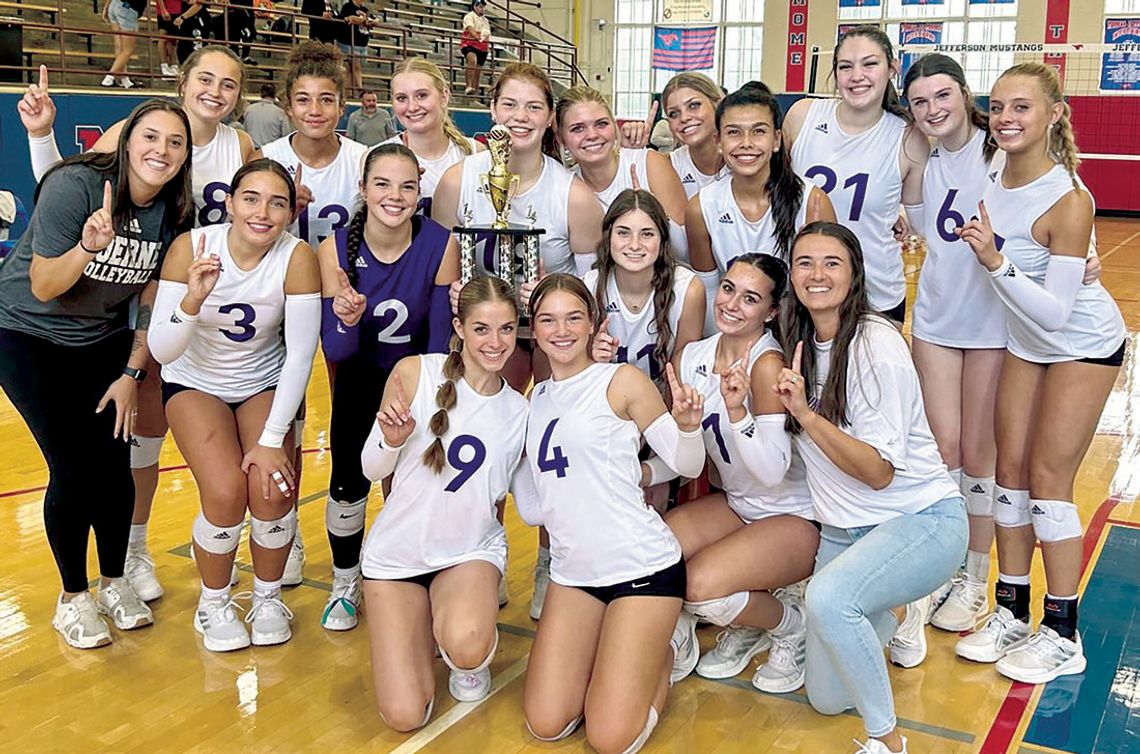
992,2
917,34
1120,71
795,69
923,2
859,3
677,11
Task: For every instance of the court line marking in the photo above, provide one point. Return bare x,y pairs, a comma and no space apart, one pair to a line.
1119,246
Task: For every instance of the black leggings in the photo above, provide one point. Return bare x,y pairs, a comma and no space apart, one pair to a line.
56,389
357,387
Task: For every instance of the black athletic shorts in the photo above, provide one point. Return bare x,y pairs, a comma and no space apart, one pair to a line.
669,582
1115,360
480,55
423,579
897,313
169,28
171,389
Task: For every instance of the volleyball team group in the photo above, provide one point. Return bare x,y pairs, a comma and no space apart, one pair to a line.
738,301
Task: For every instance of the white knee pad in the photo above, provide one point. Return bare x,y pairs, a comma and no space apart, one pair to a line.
719,612
216,540
345,519
650,724
1011,507
145,451
1055,520
979,494
956,475
566,732
482,666
273,535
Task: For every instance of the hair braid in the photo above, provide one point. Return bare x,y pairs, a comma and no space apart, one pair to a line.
434,457
1063,145
355,237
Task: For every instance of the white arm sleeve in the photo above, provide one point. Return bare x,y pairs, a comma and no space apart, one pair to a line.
711,281
764,447
679,242
1046,306
684,452
377,459
525,493
302,329
916,216
171,328
659,471
44,152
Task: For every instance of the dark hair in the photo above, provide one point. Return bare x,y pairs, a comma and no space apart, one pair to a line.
785,188
797,326
935,63
265,165
537,76
480,290
891,101
318,60
356,225
664,269
775,270
268,91
195,60
562,281
177,195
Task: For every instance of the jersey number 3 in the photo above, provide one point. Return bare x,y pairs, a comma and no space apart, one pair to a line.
244,323
858,181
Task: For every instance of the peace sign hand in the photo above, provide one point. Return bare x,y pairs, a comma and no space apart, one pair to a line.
37,111
688,402
348,305
395,418
605,345
202,276
99,228
790,386
979,234
635,134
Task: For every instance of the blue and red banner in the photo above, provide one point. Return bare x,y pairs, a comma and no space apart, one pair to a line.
689,48
923,2
859,3
1120,71
920,33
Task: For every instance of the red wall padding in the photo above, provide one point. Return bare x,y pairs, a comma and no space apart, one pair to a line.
1109,125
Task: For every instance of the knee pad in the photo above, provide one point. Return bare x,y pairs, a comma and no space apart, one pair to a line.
1055,520
482,666
979,494
345,519
566,732
145,451
275,534
719,612
957,475
216,540
1011,507
650,724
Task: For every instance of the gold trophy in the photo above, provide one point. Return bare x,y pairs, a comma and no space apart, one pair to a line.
499,182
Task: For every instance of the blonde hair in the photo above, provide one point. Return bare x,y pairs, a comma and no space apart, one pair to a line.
537,76
1061,145
578,95
194,61
432,71
698,82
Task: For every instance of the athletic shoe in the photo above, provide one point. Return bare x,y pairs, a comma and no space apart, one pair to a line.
219,625
1000,634
166,72
965,605
1042,657
469,685
269,619
503,596
735,648
343,606
126,83
139,570
79,622
541,583
468,90
908,645
295,565
108,80
686,648
939,595
875,746
783,673
119,601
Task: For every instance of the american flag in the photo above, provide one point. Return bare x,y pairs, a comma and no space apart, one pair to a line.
684,48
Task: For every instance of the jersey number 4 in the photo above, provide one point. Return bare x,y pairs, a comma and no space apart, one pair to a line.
551,459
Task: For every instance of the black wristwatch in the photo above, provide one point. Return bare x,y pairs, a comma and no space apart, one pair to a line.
138,375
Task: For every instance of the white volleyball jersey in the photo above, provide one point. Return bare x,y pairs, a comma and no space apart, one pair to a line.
627,158
544,205
432,521
586,469
1095,328
433,170
214,165
238,346
732,234
335,187
860,174
956,306
691,176
636,332
746,495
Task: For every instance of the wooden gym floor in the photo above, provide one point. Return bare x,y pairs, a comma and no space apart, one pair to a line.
157,689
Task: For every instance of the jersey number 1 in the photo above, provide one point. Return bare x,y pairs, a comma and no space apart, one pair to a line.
858,181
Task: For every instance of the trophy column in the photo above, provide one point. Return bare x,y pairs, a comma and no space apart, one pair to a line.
506,240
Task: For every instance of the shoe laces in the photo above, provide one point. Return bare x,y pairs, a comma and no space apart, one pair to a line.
137,562
120,592
733,641
222,611
966,591
258,604
1048,649
783,652
994,624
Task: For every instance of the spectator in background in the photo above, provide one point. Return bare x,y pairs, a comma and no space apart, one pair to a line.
123,16
194,25
371,124
264,120
323,26
168,10
237,25
353,39
475,42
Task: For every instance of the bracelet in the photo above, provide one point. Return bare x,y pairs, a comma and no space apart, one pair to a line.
90,251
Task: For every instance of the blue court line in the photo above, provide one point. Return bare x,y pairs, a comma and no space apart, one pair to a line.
1098,711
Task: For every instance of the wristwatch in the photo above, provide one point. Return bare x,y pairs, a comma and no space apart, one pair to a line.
138,375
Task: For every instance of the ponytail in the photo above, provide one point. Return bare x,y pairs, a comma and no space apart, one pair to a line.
434,457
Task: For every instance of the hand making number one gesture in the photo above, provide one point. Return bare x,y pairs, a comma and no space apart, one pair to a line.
605,345
37,111
395,418
348,304
635,133
735,383
688,402
790,386
979,234
100,227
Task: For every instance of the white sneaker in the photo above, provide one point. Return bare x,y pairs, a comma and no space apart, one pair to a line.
504,597
541,583
295,565
686,649
79,622
1043,657
1000,634
965,605
108,80
908,645
219,625
139,570
119,601
783,673
469,685
939,595
269,619
735,648
343,606
875,746
126,83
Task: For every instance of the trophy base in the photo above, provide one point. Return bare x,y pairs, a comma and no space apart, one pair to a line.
510,229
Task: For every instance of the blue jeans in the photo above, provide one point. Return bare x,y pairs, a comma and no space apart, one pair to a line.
860,574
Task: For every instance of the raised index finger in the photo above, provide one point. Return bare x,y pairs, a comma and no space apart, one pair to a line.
43,79
297,177
671,376
633,177
200,250
797,358
107,196
342,278
982,214
652,113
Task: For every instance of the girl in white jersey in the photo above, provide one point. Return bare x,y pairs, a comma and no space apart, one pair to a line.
763,204
209,87
452,430
603,645
420,96
689,101
1066,345
239,315
894,525
859,149
589,133
756,535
